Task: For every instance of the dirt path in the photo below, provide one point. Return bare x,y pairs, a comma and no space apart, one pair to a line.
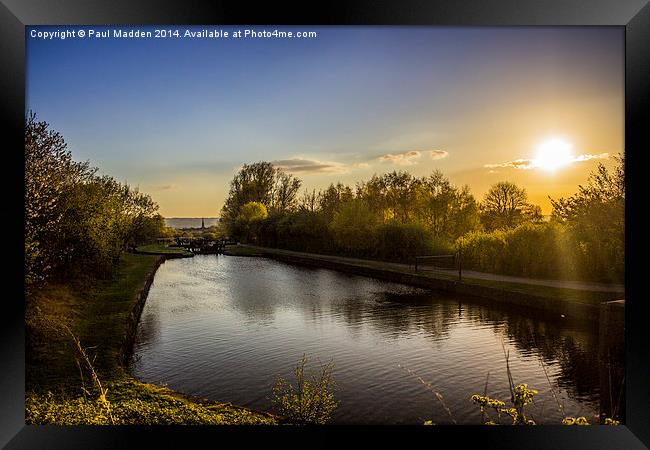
469,274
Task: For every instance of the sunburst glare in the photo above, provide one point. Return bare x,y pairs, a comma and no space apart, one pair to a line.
553,154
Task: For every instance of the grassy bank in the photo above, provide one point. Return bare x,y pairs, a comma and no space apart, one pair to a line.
569,295
161,249
59,387
242,250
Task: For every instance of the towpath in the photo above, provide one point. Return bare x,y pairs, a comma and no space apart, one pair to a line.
466,274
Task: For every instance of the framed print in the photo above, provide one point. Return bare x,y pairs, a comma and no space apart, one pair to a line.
397,220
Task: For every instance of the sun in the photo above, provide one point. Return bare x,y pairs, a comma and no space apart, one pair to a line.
553,154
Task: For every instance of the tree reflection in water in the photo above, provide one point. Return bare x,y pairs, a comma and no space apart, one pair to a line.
225,327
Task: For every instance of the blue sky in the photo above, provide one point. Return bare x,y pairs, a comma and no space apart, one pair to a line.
178,117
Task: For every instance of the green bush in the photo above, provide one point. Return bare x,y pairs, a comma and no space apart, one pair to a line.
402,242
354,231
309,401
353,228
548,250
483,251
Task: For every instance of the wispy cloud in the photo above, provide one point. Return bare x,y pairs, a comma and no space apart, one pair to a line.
438,154
411,157
163,187
310,166
527,164
402,159
516,164
588,157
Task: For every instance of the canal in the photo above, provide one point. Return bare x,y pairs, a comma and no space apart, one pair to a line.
225,327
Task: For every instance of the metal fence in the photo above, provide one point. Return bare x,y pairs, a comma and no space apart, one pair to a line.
444,263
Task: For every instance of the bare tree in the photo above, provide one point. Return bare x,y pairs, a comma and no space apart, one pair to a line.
503,205
285,192
309,201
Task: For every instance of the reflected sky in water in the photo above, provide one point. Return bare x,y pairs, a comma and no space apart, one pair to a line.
225,327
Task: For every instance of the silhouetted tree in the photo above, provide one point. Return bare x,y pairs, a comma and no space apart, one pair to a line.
596,217
391,196
309,201
332,198
503,205
285,192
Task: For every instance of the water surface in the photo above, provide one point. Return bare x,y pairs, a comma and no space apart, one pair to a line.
225,327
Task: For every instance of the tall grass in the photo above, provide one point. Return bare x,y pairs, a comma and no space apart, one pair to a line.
521,396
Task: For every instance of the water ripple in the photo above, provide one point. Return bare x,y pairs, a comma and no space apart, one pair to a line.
227,327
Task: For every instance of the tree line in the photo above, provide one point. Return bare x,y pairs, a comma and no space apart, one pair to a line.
396,216
80,222
76,220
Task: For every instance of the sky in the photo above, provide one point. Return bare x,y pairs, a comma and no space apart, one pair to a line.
178,116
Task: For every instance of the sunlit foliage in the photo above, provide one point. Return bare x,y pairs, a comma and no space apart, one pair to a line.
584,240
75,219
393,216
247,223
311,399
596,217
530,250
352,227
396,216
263,183
134,403
522,396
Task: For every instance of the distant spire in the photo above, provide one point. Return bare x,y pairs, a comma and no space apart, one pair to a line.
202,223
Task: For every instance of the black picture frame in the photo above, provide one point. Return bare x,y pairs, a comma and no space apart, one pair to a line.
634,15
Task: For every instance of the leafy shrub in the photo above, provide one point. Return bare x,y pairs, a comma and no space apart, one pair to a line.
353,228
310,401
548,250
401,242
483,250
302,231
